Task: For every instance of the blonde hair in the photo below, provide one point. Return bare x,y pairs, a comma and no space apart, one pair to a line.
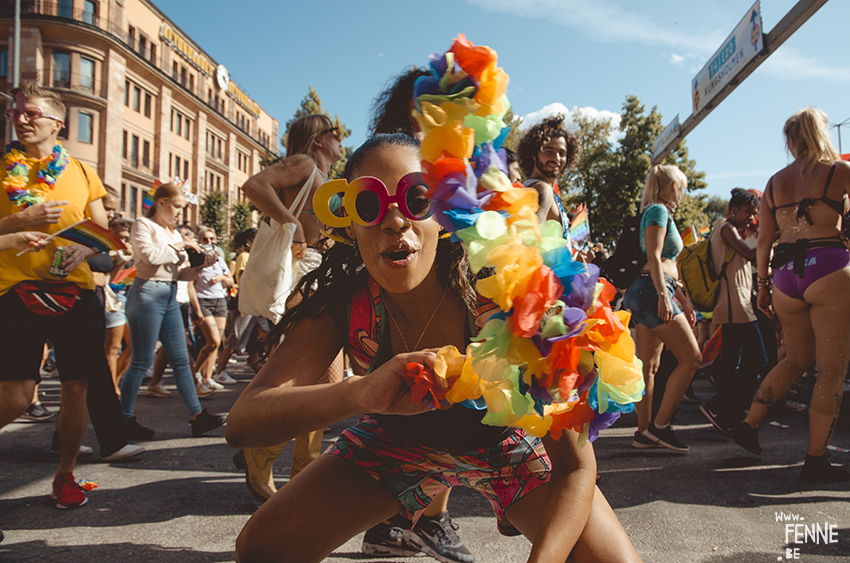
808,130
164,192
303,133
33,90
659,176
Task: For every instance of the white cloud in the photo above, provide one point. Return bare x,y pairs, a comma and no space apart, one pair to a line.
536,117
677,59
789,64
612,21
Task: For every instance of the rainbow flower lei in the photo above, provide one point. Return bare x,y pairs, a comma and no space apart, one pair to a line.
555,357
19,189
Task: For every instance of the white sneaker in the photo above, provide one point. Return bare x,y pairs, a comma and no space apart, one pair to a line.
149,371
129,450
224,378
84,450
203,391
214,385
199,378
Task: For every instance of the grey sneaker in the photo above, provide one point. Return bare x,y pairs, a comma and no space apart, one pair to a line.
37,413
387,540
436,536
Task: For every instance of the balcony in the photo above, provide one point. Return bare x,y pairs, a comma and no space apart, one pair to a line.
78,82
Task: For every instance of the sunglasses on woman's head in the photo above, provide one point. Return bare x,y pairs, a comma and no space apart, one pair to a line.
367,200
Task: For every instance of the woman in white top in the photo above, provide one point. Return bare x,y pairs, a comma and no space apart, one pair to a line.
152,310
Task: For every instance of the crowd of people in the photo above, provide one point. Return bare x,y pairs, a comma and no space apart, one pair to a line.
386,289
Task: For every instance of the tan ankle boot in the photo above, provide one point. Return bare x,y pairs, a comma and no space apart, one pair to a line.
258,465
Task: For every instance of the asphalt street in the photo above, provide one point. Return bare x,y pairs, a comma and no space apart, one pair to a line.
184,501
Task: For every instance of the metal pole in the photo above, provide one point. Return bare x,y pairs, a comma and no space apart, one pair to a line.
16,53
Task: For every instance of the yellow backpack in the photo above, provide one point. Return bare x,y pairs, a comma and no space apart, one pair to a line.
698,274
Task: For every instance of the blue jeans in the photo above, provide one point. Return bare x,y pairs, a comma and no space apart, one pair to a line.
642,300
153,314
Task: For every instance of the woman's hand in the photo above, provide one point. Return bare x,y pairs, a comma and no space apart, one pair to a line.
385,391
665,308
74,256
764,301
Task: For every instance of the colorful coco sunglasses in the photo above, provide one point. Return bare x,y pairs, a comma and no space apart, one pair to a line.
367,200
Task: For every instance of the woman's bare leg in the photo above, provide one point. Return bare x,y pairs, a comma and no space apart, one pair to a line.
112,347
126,355
648,348
603,539
679,338
331,495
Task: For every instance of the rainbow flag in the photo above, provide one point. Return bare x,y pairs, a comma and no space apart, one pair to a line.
704,231
123,279
90,234
690,236
579,226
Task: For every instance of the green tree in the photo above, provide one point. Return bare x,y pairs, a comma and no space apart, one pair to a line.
312,105
715,209
214,213
610,179
514,122
240,217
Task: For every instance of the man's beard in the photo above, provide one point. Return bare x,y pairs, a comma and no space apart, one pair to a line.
546,174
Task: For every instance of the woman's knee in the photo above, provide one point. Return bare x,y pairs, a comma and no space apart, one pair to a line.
256,544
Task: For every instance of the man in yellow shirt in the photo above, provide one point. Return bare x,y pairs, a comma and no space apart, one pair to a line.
44,190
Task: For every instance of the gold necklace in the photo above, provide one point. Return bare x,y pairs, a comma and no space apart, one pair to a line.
403,339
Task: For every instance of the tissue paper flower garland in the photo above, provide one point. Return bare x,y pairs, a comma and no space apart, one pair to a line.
555,357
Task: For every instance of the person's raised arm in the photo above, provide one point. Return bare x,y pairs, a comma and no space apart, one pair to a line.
283,400
572,484
732,237
262,190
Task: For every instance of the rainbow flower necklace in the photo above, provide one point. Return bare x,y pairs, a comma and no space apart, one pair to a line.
22,191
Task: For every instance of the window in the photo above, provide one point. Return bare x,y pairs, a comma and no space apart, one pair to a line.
127,93
183,76
219,148
170,170
89,12
87,74
4,63
85,129
179,129
186,129
134,195
218,183
66,9
61,70
185,169
176,165
143,45
123,197
175,71
153,53
137,98
131,37
192,82
124,146
146,154
134,151
147,105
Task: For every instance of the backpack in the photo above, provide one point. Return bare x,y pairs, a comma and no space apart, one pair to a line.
699,275
624,266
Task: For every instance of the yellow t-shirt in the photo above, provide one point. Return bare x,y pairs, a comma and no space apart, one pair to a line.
73,186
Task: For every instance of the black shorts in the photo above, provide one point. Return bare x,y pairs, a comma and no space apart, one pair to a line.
216,307
77,338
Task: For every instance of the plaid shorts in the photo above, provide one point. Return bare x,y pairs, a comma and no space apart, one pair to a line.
414,474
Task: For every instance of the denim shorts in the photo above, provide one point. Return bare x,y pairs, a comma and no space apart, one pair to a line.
642,300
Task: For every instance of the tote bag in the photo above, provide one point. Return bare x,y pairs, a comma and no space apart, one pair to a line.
268,276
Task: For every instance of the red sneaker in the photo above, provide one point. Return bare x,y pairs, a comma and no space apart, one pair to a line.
67,493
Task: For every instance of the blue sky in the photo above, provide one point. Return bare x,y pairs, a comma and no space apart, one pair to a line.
560,54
